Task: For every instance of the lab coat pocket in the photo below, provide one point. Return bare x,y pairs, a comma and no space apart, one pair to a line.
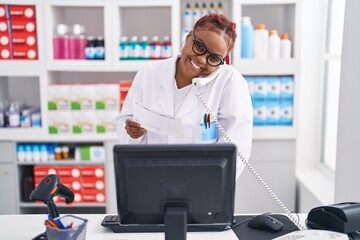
208,133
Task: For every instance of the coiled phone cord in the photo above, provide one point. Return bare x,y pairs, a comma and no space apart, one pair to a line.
251,169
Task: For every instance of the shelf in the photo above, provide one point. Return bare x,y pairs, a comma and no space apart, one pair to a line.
75,205
61,162
28,67
78,65
267,67
131,65
41,135
274,133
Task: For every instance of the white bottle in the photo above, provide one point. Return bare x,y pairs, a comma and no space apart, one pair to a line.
36,153
196,13
274,45
285,47
261,39
188,18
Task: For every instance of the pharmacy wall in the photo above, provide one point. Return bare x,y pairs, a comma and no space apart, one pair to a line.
74,73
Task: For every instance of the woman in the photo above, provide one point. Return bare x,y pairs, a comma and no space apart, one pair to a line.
173,87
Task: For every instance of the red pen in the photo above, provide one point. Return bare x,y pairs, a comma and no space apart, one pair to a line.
208,120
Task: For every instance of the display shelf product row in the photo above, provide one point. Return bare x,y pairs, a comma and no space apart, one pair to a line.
112,20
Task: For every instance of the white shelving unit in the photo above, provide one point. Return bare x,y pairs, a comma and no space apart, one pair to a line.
115,18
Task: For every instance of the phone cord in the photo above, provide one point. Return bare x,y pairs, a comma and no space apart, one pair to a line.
251,169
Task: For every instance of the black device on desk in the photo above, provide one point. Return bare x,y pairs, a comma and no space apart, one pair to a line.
174,188
265,222
340,217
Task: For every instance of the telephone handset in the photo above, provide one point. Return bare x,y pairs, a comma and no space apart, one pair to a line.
198,82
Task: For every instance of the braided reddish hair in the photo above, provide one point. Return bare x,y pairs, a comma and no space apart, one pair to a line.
218,23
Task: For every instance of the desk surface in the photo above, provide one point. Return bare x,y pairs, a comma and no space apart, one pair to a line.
20,227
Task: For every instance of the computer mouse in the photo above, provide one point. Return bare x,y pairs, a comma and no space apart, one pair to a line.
265,222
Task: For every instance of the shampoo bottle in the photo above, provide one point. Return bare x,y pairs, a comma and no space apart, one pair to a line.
247,38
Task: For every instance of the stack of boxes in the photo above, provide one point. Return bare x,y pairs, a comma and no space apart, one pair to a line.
83,108
272,99
18,37
87,182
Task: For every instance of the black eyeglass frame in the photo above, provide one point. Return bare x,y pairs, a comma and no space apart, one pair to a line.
222,61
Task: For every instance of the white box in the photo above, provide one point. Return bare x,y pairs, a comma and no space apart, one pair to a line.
82,97
60,122
59,97
107,96
105,121
83,122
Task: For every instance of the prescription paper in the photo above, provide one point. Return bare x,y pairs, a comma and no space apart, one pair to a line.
157,122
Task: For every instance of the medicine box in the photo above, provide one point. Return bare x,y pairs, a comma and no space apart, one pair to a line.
107,96
105,121
274,88
58,97
251,84
83,122
286,112
287,88
260,88
259,112
60,122
82,97
273,113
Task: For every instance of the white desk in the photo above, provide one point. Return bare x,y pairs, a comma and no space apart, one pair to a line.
22,227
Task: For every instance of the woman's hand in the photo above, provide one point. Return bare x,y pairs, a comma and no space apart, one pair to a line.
134,129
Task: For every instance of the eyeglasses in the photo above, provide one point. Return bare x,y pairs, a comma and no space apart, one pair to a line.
200,49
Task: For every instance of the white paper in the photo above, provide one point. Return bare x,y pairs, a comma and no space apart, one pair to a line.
157,122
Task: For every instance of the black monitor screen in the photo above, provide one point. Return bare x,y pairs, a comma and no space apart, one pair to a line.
199,178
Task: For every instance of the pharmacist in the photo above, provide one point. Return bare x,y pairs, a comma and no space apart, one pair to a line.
168,87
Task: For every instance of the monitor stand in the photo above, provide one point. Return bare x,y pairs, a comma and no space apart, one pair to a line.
175,223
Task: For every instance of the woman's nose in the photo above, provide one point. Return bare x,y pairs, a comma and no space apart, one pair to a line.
202,59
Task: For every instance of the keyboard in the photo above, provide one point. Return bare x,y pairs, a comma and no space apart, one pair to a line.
112,221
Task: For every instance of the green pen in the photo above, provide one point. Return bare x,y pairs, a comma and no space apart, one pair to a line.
205,121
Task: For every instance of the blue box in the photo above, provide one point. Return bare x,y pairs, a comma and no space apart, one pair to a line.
260,88
259,112
287,88
273,113
286,112
274,88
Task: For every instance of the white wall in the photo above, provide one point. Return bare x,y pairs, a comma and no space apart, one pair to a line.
347,174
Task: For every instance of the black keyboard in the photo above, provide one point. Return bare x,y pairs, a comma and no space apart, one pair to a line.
112,221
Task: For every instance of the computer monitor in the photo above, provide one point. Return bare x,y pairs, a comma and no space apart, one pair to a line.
175,188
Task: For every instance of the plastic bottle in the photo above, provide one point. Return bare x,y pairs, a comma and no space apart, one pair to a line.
166,50
285,47
90,48
188,17
51,151
204,9
36,153
124,48
25,119
20,152
100,48
274,45
13,115
196,13
134,48
144,48
74,39
261,40
247,38
82,44
43,153
219,9
28,153
2,114
212,8
155,48
59,41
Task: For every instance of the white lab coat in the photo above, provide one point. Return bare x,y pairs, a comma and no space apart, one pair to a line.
225,92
